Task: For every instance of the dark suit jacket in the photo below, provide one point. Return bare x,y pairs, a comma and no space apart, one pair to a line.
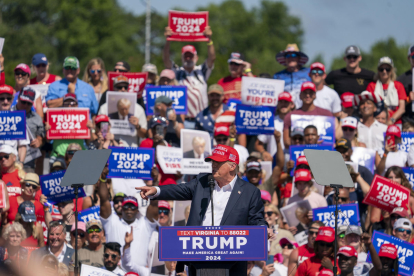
36,256
245,203
115,116
190,154
300,228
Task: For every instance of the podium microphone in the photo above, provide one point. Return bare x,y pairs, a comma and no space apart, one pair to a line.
211,183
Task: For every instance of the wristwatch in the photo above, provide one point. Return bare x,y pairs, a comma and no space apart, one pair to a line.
392,120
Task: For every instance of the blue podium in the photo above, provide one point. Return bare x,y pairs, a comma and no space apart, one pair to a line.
213,250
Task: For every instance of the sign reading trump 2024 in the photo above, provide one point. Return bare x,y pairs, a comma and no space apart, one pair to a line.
259,91
348,214
178,94
89,214
12,125
55,193
253,120
407,139
213,243
324,124
405,251
409,173
68,123
131,163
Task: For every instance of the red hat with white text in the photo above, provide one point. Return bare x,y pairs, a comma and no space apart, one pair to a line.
393,130
285,96
221,129
326,234
190,49
302,161
223,153
24,67
307,85
389,251
326,272
317,65
101,118
347,99
348,251
164,204
7,89
303,175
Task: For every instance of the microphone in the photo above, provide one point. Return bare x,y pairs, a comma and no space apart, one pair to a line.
211,183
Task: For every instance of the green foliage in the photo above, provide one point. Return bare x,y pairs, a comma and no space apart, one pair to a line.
382,48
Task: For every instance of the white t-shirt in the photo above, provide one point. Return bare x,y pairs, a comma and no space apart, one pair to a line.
115,229
315,200
270,140
280,270
362,268
411,155
398,158
327,98
372,136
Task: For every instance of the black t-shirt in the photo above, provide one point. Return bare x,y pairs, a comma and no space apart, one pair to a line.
407,80
343,81
171,136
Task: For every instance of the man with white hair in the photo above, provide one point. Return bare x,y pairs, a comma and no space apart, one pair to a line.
123,106
198,151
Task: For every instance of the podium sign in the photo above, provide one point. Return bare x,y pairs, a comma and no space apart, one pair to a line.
213,243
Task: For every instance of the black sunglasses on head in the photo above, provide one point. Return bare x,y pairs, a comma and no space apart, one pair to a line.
71,152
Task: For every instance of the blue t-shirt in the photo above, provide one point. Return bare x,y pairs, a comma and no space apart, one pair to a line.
84,93
204,121
293,81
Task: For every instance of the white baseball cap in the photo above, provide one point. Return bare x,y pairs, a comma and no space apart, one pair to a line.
349,122
403,223
7,149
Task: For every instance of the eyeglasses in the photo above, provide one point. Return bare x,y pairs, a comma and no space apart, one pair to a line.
113,256
31,185
288,245
120,70
270,213
343,198
395,217
129,206
166,212
71,152
222,140
26,103
80,234
341,236
2,99
351,57
348,129
95,71
384,68
41,65
20,73
119,87
402,230
5,157
325,244
70,68
317,71
91,230
235,64
292,55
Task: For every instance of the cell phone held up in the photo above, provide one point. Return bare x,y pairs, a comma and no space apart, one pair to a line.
104,129
159,129
390,140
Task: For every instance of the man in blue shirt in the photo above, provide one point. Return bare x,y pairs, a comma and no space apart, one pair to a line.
71,84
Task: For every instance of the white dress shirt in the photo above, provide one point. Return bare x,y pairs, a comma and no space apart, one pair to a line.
62,253
372,136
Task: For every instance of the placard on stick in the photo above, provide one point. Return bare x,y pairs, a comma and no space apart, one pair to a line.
187,26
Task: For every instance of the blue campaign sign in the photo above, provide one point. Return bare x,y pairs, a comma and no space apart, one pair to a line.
50,185
254,120
12,125
409,173
407,138
324,124
364,157
176,93
296,151
89,214
131,162
232,103
348,214
213,243
405,251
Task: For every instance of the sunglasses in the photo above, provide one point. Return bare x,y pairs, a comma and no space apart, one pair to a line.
31,185
118,201
91,230
119,87
351,57
347,129
293,55
113,256
129,206
120,70
21,74
297,138
26,103
235,64
166,212
5,157
343,198
384,68
71,152
2,99
222,140
312,233
95,71
70,68
395,217
325,244
317,71
80,234
270,213
288,245
41,65
402,230
341,236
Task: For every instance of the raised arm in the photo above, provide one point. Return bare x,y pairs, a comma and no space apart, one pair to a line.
104,195
170,192
211,54
166,52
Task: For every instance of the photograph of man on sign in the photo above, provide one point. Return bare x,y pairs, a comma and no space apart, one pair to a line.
198,151
123,110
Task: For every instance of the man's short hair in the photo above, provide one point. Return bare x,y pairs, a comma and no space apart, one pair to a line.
57,223
317,222
309,127
199,140
113,246
124,102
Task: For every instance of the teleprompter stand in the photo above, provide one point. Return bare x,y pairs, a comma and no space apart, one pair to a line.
84,169
328,167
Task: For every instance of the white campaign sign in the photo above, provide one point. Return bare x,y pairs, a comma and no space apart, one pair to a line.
1,44
169,159
87,270
258,91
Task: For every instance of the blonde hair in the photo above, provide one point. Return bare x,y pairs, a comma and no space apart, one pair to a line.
273,208
63,270
393,74
20,172
124,102
104,79
14,227
35,233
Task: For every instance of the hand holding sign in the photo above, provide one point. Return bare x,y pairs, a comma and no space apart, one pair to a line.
188,26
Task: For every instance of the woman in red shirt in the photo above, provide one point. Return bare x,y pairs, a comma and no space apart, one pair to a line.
26,216
41,67
12,173
389,89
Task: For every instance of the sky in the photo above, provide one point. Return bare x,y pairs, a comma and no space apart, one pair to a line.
329,25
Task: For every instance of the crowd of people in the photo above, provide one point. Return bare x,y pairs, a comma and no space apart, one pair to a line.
369,108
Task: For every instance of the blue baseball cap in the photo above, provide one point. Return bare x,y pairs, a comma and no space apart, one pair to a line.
39,59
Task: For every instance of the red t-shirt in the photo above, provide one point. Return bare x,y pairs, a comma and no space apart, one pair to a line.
304,253
14,206
311,267
30,241
12,181
287,123
231,87
2,78
51,79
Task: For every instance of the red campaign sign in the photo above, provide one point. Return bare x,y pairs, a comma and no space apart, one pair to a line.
2,195
137,81
187,26
68,123
386,194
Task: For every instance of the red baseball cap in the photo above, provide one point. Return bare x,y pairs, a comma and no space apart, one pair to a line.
401,211
164,204
221,129
307,85
302,161
265,195
101,118
131,274
388,250
348,251
326,234
24,67
284,241
130,199
393,130
326,272
285,96
6,89
70,96
347,99
224,153
303,175
189,48
317,65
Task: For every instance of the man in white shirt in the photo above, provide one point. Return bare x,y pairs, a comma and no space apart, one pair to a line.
326,97
370,131
284,106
